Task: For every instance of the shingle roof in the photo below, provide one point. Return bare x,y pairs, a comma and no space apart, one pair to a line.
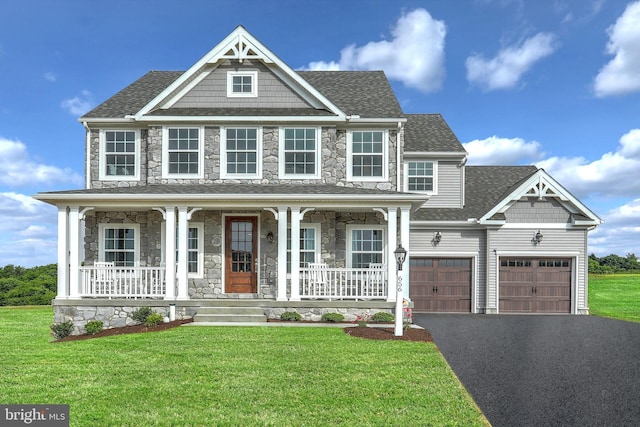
230,112
429,132
485,187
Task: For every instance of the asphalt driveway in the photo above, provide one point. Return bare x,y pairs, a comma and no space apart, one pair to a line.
544,370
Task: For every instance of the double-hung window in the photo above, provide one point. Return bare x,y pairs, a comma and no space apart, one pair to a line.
242,152
309,245
182,152
195,253
120,153
367,155
365,245
420,176
119,244
299,153
242,84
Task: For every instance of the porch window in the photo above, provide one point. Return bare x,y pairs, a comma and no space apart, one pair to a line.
299,151
182,152
119,154
366,156
119,244
365,246
309,239
241,152
242,84
420,176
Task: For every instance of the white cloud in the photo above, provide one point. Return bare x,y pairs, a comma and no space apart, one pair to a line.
414,55
502,151
80,104
620,233
49,76
18,169
622,74
506,69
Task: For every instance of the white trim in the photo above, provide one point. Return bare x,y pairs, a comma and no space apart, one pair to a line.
119,226
385,157
165,153
223,154
181,93
281,153
434,176
528,225
244,73
102,161
349,240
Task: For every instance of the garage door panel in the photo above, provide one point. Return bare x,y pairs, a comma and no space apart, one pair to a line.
440,284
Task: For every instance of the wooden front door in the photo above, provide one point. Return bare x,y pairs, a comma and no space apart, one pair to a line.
241,250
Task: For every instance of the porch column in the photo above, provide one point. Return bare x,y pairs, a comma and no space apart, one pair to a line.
295,253
170,252
74,252
282,253
63,253
405,219
392,244
183,290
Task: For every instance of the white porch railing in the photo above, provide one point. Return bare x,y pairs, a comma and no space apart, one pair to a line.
322,282
122,282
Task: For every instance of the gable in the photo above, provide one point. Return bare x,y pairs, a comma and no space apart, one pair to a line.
535,210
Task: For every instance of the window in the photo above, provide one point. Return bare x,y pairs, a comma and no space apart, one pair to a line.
241,152
420,176
299,152
119,244
182,154
309,239
367,156
242,84
119,154
195,255
365,246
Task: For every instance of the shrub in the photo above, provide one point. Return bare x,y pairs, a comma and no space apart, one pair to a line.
61,330
332,317
141,314
362,320
153,319
383,317
93,327
292,316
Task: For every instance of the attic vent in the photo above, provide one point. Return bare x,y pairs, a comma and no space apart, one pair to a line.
240,50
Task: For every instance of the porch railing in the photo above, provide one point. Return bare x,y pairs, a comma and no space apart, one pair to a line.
122,282
321,282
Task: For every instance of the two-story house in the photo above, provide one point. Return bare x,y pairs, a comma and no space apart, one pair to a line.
241,182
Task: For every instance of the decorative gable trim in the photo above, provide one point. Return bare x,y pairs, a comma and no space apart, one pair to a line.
541,185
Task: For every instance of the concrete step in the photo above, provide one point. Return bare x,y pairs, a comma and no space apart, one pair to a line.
229,314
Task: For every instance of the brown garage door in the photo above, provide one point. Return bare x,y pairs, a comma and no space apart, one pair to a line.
535,285
440,284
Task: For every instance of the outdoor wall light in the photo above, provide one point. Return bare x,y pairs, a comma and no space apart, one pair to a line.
437,237
270,236
537,238
401,254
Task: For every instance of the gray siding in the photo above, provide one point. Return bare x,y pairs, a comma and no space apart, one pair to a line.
537,211
449,186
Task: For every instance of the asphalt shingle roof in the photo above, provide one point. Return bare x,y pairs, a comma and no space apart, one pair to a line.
429,132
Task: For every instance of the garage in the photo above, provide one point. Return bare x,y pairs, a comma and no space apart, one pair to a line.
440,284
535,285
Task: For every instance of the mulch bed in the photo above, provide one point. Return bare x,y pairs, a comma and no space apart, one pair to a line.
132,329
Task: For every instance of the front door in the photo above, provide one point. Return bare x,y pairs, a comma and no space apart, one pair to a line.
241,248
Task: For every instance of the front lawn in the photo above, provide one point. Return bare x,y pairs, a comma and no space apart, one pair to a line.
202,376
615,295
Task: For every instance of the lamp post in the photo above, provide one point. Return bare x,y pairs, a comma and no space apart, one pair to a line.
401,254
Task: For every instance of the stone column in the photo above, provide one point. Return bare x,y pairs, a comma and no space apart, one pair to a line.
63,253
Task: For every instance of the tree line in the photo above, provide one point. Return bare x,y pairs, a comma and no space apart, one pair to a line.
28,286
614,264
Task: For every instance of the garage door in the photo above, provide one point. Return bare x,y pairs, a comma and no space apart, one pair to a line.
535,285
440,284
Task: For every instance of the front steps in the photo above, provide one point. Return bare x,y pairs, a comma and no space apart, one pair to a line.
229,314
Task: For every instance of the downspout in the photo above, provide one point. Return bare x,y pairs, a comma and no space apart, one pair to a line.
463,178
87,166
399,165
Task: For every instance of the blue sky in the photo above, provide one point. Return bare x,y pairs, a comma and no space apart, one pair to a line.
555,83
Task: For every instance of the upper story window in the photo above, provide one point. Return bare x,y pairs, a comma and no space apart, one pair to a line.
119,154
182,152
241,152
420,176
242,84
367,155
299,153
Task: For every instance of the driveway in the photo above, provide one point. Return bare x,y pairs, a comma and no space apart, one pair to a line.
544,370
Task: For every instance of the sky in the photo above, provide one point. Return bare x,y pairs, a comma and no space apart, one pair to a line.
553,83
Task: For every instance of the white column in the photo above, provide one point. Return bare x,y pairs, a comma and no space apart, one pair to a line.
183,229
282,253
63,253
295,253
405,217
170,252
392,244
74,256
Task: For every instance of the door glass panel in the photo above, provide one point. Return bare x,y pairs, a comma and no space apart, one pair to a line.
241,247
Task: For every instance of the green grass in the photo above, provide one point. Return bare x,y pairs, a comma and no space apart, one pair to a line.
235,376
615,295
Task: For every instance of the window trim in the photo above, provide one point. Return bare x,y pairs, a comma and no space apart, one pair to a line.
349,240
223,154
102,162
385,157
317,250
200,226
165,153
435,176
136,239
254,84
281,154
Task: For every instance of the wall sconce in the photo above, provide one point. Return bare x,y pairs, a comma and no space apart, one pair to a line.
270,236
437,237
537,238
